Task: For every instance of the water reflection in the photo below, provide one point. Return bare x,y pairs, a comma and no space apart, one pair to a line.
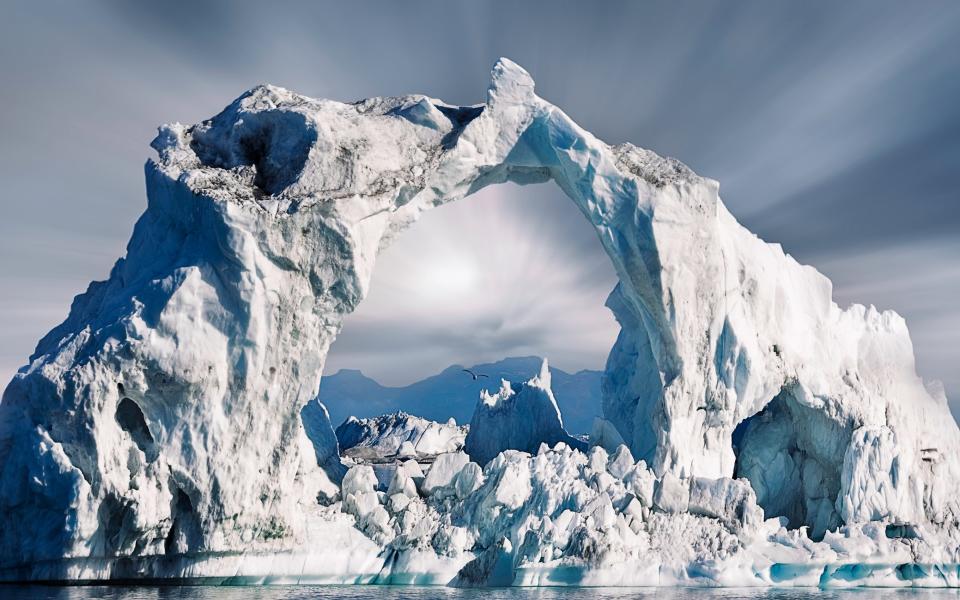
430,593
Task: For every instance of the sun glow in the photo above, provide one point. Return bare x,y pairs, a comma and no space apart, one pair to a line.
447,278
509,271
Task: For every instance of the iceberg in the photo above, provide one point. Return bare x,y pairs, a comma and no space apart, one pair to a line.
165,428
516,419
399,434
605,434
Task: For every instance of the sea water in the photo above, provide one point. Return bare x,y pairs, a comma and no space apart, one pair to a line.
295,592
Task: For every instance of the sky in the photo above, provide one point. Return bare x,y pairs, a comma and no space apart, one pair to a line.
508,271
833,128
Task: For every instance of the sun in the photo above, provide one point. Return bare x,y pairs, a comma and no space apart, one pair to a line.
448,277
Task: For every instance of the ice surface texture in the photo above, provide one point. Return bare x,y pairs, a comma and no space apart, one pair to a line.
163,416
400,434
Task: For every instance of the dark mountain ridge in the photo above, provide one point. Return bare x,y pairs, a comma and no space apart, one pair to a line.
454,393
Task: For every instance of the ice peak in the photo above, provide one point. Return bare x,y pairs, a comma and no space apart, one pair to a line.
518,417
266,96
509,83
542,379
492,400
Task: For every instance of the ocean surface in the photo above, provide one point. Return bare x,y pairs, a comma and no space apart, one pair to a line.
430,593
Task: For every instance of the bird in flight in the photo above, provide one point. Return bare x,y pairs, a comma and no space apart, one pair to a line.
474,375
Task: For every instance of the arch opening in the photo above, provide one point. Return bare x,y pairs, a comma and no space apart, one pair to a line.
493,282
792,456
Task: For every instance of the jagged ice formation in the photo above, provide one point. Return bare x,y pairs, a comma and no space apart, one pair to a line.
162,418
519,416
400,434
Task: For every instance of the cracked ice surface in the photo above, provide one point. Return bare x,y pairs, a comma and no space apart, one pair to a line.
158,429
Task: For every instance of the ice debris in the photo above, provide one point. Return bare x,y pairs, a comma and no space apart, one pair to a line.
559,509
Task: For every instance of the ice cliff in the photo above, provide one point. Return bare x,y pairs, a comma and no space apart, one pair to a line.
158,429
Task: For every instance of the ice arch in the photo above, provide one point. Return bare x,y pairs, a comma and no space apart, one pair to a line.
261,232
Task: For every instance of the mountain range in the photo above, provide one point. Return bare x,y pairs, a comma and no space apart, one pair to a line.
454,393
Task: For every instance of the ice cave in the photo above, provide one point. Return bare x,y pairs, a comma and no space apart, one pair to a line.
754,432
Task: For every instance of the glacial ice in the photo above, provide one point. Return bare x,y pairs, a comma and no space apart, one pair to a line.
399,434
317,426
605,434
516,419
161,430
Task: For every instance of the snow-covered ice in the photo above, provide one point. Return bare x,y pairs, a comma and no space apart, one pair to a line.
166,429
400,434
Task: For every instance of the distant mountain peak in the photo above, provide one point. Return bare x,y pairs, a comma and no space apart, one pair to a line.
453,393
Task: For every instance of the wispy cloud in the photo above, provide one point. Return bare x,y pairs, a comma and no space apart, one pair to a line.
509,271
832,127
